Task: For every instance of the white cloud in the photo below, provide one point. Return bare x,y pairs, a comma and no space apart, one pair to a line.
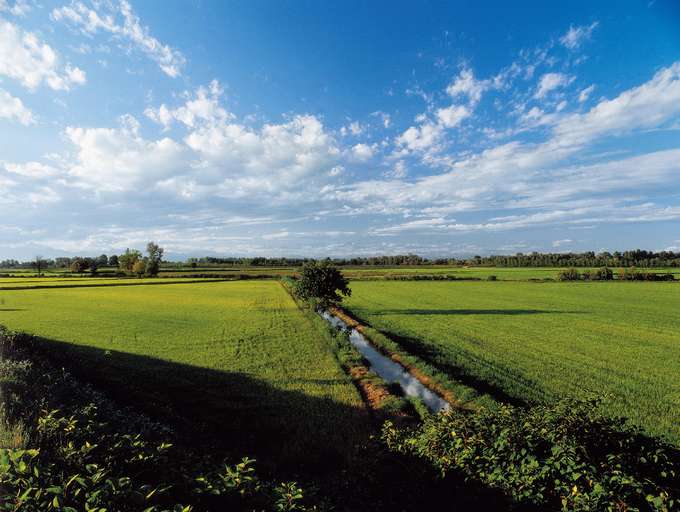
13,108
31,169
202,107
24,57
17,8
90,21
116,159
646,106
420,138
363,152
465,84
384,117
585,93
43,195
354,128
550,82
560,243
533,175
576,36
400,171
452,116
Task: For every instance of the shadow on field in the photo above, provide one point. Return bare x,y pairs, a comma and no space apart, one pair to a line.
229,411
292,435
470,312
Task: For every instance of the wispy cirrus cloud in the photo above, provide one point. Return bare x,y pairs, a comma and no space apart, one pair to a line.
122,23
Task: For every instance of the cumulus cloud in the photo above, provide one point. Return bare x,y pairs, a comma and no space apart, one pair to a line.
465,84
203,106
116,159
363,152
421,138
125,25
576,36
354,128
13,108
452,116
24,57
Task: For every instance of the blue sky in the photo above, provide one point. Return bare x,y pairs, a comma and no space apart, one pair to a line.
353,128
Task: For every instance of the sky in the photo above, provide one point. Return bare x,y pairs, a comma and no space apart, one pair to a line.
306,128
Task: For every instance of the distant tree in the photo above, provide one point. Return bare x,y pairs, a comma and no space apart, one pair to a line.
77,265
102,260
62,262
113,260
570,274
154,258
127,261
93,265
139,268
321,283
39,263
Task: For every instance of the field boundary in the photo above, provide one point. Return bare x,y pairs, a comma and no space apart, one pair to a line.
435,380
373,389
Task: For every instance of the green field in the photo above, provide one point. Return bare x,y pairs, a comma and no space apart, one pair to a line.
235,360
535,341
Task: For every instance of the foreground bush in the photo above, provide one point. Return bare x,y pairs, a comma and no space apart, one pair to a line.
565,456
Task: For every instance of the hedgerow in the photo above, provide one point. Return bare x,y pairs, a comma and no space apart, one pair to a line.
563,456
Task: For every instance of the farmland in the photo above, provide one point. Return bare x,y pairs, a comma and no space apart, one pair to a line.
235,360
536,341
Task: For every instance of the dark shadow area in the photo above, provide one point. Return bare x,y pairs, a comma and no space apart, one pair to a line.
12,309
319,442
232,412
471,312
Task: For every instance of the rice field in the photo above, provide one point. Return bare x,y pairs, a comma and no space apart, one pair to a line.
535,341
237,360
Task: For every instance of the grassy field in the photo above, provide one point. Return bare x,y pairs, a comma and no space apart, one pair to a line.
354,272
532,341
236,360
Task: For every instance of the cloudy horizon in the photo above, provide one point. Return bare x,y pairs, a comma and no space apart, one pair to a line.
302,129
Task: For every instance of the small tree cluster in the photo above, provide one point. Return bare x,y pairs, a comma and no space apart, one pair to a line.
132,261
569,274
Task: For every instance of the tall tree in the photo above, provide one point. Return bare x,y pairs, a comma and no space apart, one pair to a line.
322,283
39,263
128,259
154,258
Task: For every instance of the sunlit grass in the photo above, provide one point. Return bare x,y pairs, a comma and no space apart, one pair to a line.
534,341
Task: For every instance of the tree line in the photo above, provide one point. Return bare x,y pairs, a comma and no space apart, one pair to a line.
635,258
132,261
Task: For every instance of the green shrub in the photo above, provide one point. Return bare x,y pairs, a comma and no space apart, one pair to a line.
570,274
562,456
